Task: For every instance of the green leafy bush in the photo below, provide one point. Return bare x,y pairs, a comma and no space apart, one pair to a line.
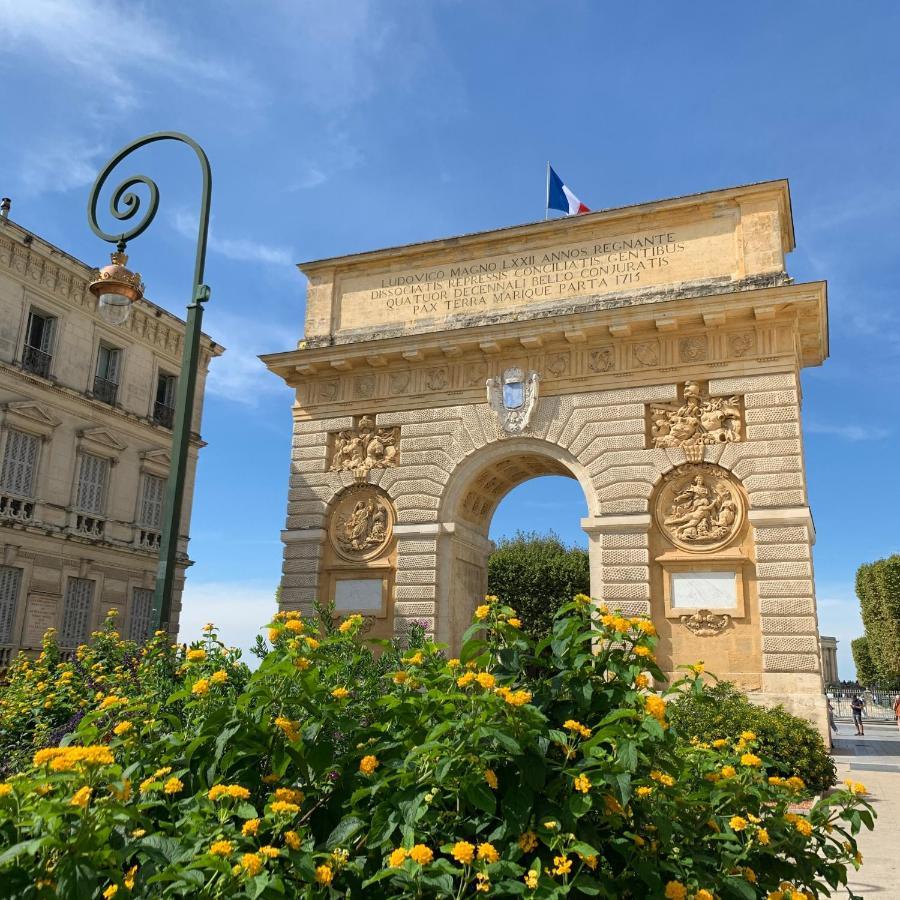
537,574
790,744
542,769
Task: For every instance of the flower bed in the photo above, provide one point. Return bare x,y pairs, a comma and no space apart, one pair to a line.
534,769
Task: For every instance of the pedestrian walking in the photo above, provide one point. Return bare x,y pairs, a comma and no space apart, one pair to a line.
897,709
858,707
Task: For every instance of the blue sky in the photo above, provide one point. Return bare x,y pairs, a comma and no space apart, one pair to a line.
336,127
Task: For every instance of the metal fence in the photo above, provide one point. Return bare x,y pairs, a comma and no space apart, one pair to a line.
879,704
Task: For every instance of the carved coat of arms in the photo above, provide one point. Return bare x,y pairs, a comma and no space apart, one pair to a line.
513,398
365,447
697,420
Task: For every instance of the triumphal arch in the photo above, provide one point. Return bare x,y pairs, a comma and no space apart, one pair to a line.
652,352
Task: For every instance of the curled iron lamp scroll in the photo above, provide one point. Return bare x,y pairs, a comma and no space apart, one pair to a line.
117,288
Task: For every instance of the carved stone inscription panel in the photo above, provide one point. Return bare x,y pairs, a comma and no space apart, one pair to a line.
362,523
699,508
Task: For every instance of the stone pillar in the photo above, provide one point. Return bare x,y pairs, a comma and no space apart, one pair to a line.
792,667
620,560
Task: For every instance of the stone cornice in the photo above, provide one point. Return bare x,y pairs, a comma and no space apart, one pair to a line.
46,269
768,329
122,418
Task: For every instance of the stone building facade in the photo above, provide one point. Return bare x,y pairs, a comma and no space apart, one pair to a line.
85,439
653,353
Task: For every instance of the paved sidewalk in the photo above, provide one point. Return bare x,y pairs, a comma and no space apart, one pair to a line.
874,759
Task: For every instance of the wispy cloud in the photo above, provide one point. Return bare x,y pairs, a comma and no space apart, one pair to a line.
237,249
239,610
61,164
239,376
849,432
109,44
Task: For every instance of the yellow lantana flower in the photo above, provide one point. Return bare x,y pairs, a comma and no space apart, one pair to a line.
421,854
397,858
368,764
463,852
488,852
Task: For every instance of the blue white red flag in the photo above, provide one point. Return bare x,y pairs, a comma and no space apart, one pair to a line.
560,197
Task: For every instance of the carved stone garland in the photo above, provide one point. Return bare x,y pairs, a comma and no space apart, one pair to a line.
699,508
705,623
698,420
365,447
361,524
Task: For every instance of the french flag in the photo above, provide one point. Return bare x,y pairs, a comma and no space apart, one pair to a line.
560,197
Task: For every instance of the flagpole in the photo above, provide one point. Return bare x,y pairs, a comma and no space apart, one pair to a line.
547,195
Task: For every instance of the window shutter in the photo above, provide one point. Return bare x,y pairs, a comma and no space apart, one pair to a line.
77,611
141,607
92,484
151,501
19,462
47,335
112,366
10,582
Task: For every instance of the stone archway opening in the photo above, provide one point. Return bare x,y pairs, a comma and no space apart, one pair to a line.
479,487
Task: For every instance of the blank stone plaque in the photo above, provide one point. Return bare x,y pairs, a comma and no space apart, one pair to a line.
358,594
704,590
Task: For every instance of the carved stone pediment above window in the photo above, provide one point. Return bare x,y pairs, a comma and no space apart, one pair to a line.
101,441
157,462
364,447
696,420
27,415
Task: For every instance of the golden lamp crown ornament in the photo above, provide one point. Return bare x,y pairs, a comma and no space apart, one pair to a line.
116,287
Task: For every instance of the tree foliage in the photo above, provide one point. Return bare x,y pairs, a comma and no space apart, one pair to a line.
866,673
878,589
539,769
537,574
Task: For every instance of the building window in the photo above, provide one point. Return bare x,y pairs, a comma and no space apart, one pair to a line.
106,381
92,478
150,511
17,476
77,612
164,405
19,463
141,610
37,354
10,583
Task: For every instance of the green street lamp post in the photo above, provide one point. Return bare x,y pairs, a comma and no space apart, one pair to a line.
116,289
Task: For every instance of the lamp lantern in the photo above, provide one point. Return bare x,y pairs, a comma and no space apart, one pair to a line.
116,287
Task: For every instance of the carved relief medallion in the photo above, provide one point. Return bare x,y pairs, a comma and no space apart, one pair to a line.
705,623
697,420
699,507
601,359
365,447
693,348
513,397
362,523
647,353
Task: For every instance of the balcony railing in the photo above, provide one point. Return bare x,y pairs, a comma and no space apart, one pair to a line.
36,361
89,526
16,509
105,390
163,414
148,539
